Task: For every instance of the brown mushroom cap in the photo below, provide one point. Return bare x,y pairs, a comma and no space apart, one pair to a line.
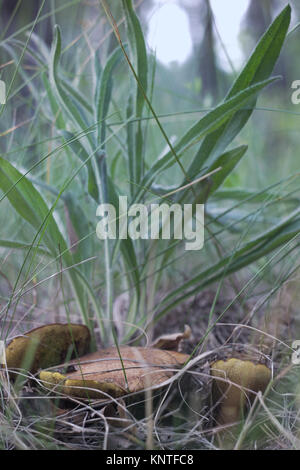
235,383
47,346
103,371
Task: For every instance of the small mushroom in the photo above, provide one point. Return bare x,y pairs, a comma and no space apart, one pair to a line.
47,346
235,383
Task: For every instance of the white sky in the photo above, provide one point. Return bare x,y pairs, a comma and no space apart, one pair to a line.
169,31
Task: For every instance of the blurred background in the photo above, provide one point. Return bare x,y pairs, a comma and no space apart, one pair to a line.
199,46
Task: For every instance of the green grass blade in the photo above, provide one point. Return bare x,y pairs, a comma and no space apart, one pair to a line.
138,51
23,246
28,202
139,59
210,122
55,108
81,153
269,241
258,68
227,162
103,91
72,109
265,55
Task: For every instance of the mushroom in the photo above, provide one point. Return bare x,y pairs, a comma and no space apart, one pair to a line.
235,383
47,346
114,372
118,371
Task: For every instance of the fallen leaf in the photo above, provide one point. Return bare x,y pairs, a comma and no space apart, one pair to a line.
172,342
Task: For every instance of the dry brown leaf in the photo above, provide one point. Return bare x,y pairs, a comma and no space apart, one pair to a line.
171,342
103,371
47,346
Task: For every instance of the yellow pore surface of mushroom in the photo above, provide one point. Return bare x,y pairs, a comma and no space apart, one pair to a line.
235,383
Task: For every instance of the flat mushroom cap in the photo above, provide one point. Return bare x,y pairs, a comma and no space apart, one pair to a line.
103,371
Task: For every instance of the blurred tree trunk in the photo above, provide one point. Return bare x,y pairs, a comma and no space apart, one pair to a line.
207,57
258,17
25,14
202,32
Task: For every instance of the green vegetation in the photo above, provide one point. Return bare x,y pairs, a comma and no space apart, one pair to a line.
84,123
